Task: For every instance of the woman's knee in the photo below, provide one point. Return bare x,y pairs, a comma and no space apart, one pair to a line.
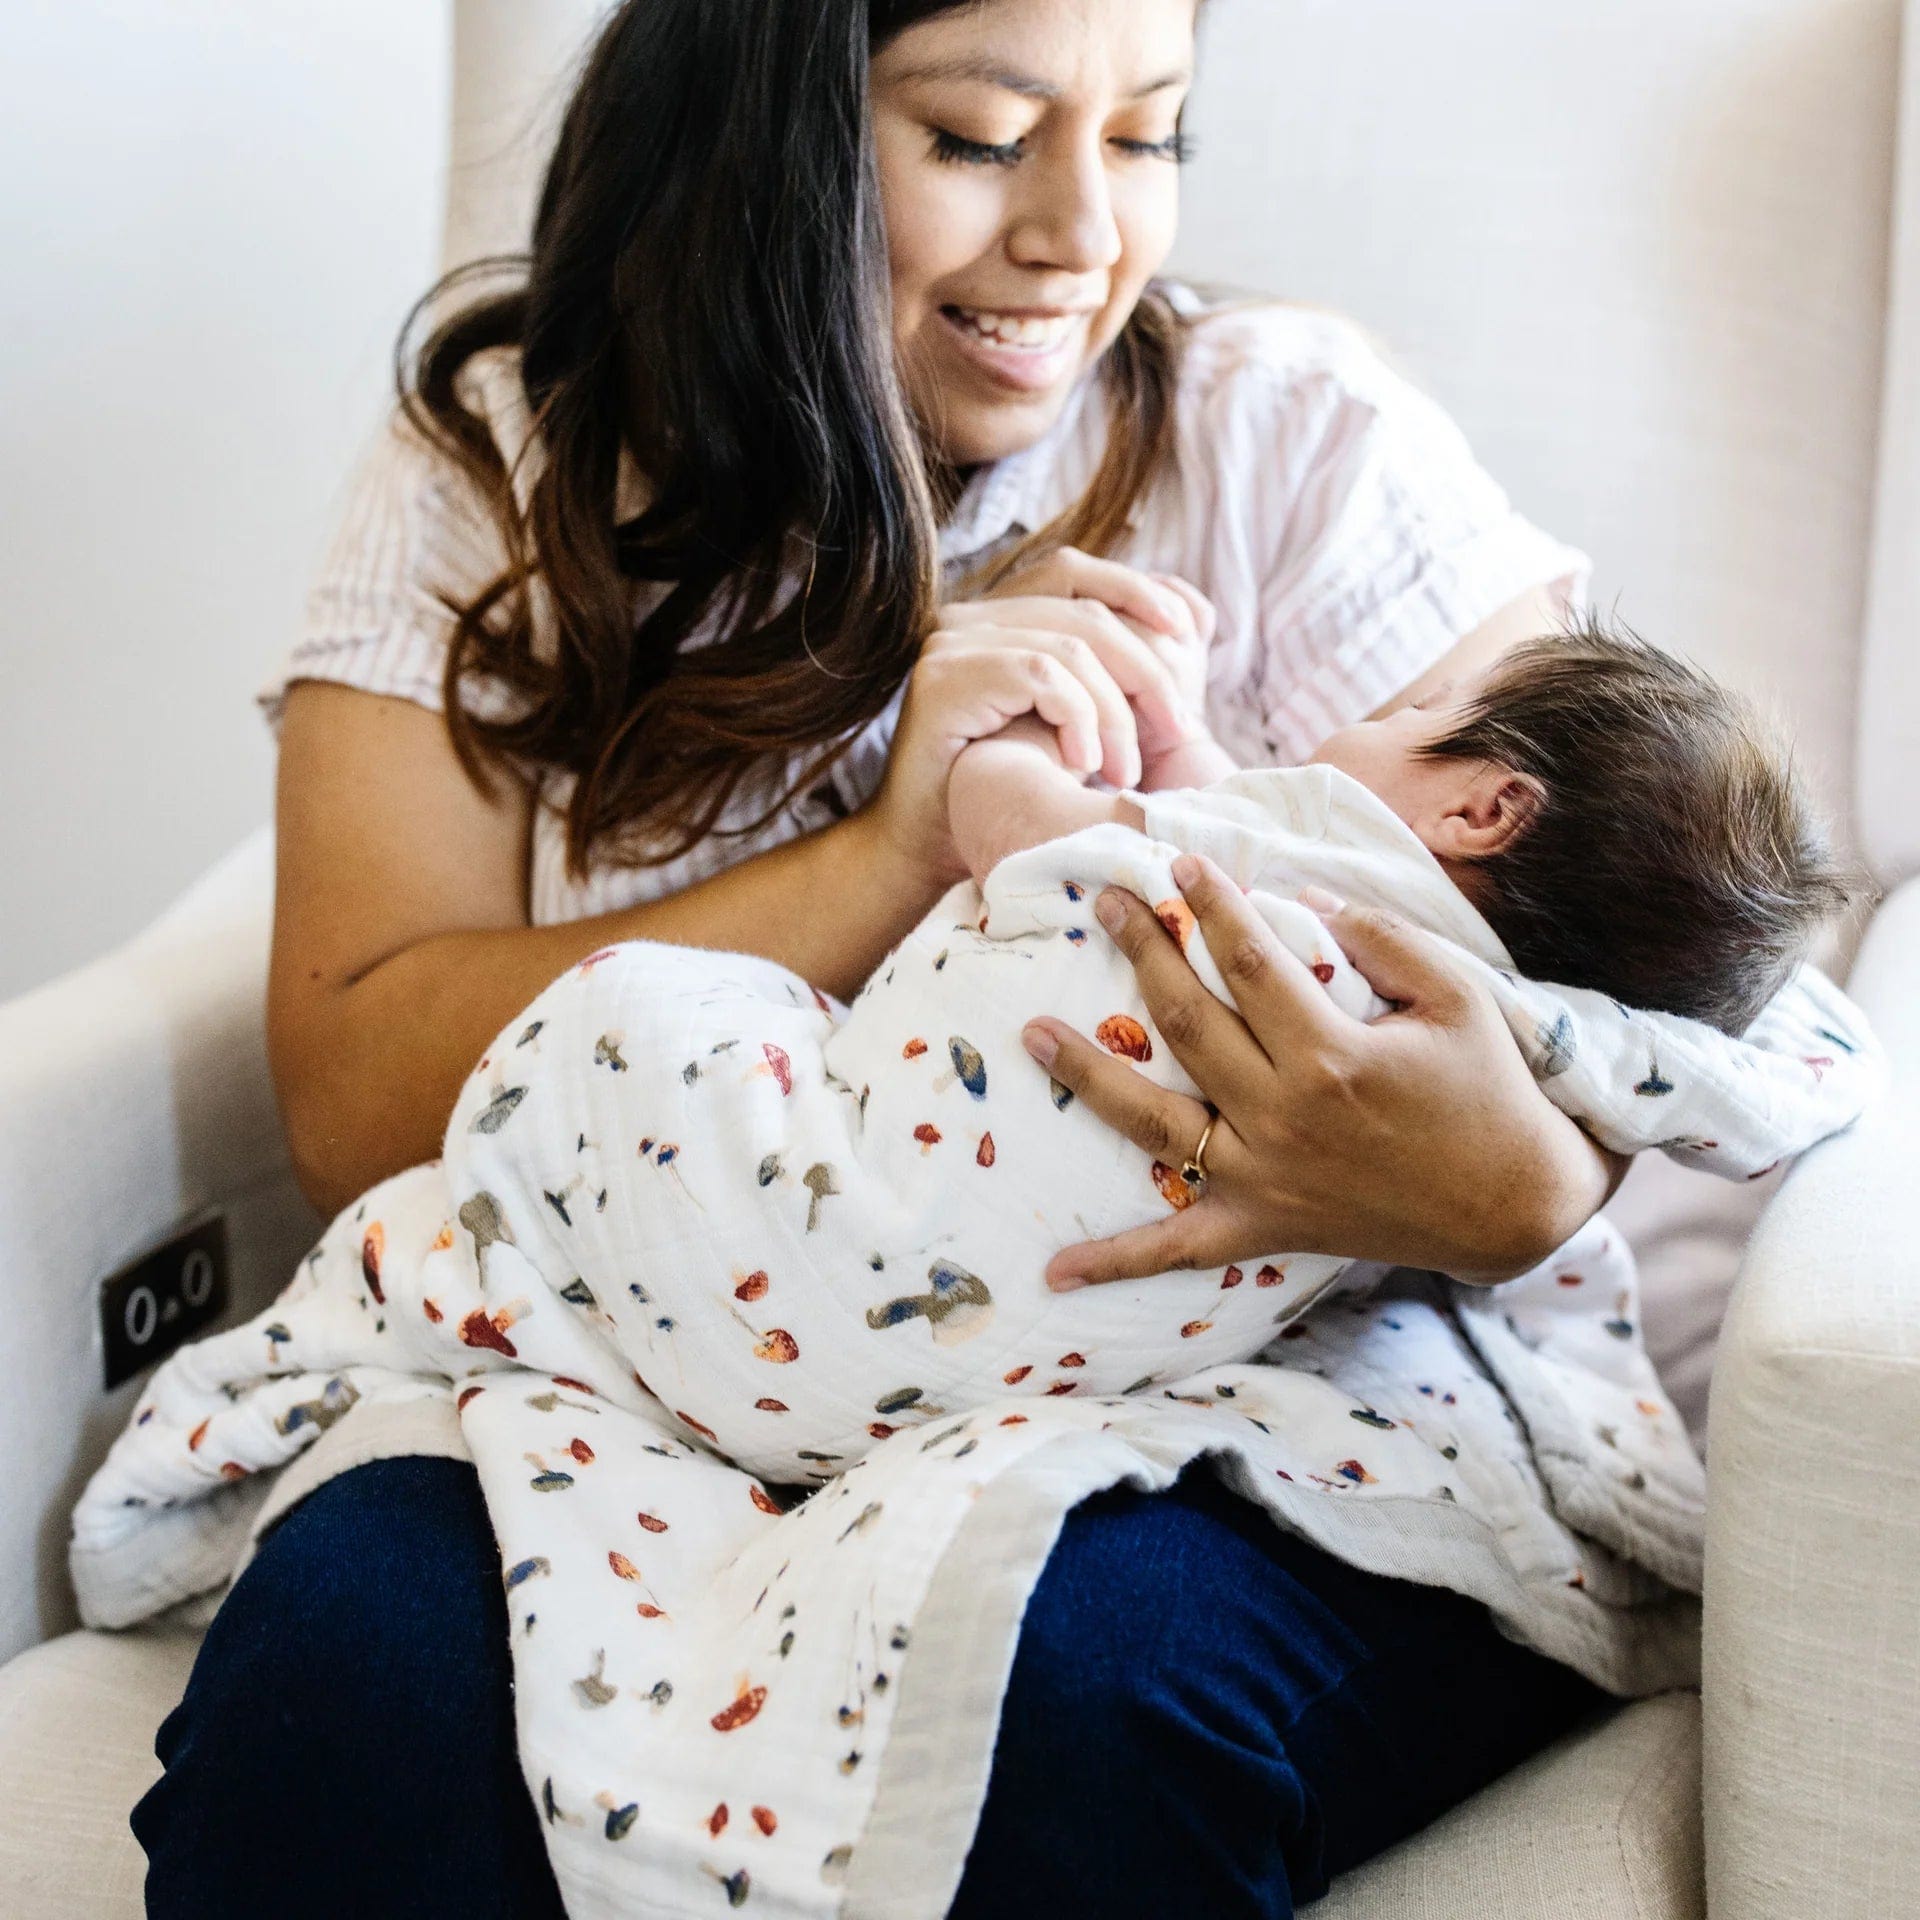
367,1600
1126,1774
356,1682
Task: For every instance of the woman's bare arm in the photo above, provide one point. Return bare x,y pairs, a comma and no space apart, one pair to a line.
401,943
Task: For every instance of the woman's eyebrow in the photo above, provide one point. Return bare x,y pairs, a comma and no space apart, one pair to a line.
1029,86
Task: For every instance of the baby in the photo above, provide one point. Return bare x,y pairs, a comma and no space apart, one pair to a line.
808,1225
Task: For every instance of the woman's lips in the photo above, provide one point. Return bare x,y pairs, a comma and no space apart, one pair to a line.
1031,352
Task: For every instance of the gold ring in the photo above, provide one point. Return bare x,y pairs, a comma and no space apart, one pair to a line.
1194,1173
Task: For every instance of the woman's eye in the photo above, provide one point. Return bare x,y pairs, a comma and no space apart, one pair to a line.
975,153
1176,147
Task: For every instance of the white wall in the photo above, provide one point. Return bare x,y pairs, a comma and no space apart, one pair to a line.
1639,251
213,214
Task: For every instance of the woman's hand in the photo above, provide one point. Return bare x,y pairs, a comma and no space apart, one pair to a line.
1418,1140
1103,679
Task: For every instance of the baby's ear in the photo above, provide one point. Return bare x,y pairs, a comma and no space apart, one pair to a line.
1492,810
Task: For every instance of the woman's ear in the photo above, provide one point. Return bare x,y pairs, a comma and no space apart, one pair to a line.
1490,810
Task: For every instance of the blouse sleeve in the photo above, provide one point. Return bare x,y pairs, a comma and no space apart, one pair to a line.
412,542
1355,530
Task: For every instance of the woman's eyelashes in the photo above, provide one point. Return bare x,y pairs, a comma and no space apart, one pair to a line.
954,148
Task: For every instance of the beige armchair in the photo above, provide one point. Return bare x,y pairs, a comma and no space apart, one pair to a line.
1660,260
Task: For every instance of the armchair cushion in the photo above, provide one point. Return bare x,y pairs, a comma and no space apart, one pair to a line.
1601,1826
65,1846
133,1095
1812,1679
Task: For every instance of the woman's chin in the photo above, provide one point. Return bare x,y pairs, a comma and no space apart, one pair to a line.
971,432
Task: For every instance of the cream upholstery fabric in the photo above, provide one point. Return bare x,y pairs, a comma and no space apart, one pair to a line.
1890,665
1812,1664
77,1720
133,1096
1599,1827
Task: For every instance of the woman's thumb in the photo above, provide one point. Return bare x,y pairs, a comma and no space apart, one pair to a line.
1400,962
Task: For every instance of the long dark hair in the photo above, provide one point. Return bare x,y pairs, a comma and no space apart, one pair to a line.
708,287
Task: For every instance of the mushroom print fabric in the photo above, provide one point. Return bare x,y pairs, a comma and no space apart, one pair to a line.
735,1294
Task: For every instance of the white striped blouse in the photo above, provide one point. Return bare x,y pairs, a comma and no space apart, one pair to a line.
1333,513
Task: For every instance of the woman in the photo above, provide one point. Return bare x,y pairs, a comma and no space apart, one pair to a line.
626,635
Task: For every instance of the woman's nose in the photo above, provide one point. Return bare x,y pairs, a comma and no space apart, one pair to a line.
1068,220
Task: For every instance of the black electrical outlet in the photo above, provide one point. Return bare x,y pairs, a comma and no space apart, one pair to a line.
147,1309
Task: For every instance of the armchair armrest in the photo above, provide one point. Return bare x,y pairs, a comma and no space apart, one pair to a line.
1811,1686
133,1096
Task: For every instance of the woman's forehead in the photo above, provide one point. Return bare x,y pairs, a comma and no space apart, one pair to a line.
1046,50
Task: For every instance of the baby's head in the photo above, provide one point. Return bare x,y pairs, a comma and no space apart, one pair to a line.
1622,822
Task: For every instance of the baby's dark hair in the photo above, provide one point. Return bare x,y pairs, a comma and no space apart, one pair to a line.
1674,861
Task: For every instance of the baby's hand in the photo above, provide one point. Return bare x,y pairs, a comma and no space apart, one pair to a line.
1192,759
1185,655
1010,791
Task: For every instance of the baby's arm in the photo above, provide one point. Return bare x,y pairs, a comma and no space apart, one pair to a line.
1195,762
1011,791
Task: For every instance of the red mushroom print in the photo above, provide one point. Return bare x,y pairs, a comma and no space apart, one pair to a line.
372,1247
432,1312
928,1135
1573,1279
717,1820
1269,1275
984,1158
765,1819
1121,1033
1013,1377
1173,1190
580,1451
1323,971
762,1499
1177,917
1013,1420
198,1434
1195,1327
780,1064
623,1566
913,1049
704,1431
779,1346
772,1406
1071,1360
1231,1278
753,1287
746,1703
466,1394
651,1522
482,1329
232,1470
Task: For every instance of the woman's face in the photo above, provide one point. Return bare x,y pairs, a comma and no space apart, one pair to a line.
1028,167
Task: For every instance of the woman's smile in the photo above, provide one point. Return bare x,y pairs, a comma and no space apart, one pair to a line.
1025,349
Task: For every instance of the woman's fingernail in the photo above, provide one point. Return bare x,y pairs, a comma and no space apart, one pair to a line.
1111,911
1319,900
1040,1043
1064,1283
1186,870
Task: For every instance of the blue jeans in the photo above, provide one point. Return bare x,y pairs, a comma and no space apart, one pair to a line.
1207,1715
